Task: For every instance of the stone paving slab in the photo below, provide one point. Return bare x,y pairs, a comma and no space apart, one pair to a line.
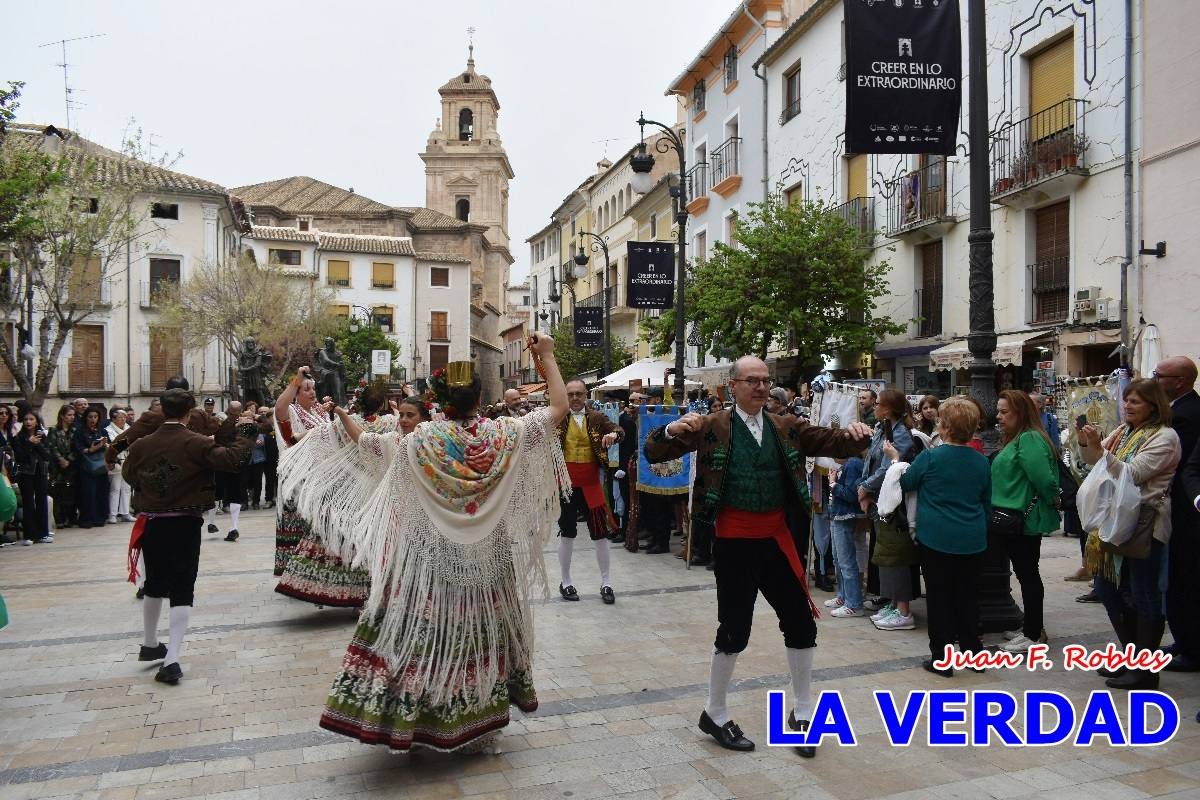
620,689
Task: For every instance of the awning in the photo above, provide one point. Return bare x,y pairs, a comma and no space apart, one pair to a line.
1009,347
903,351
648,370
527,389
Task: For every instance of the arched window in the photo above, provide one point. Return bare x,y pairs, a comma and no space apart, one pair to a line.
628,195
620,205
466,125
462,209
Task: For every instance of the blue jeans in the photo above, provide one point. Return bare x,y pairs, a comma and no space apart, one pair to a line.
821,541
1140,587
845,558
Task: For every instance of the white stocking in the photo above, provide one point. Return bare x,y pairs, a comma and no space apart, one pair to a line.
179,624
800,661
210,516
151,612
720,673
566,547
235,511
602,560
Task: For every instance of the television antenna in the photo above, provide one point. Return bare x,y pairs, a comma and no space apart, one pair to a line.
67,90
605,143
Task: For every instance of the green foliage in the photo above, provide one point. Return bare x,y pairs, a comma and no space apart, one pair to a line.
798,269
356,347
574,360
25,174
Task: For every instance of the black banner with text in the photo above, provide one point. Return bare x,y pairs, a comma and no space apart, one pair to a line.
589,326
650,279
903,76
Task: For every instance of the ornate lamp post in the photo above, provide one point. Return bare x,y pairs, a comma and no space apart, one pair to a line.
370,316
641,163
997,611
581,259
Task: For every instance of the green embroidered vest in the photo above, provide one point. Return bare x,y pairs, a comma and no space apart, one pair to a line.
757,476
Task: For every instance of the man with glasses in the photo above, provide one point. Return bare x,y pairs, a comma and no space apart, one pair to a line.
1177,376
751,483
585,437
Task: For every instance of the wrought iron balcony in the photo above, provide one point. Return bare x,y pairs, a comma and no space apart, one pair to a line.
439,331
154,376
1046,151
1050,285
726,175
859,213
695,186
84,374
596,300
919,202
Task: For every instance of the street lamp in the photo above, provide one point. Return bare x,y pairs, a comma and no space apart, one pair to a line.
581,260
642,163
370,315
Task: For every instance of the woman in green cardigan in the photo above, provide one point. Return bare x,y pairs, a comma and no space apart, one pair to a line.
1025,482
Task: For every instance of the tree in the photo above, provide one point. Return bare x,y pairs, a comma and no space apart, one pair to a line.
227,302
574,360
356,347
71,219
797,279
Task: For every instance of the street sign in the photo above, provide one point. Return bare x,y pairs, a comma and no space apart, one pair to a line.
381,362
903,76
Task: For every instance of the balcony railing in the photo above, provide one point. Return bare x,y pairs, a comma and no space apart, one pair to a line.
1036,148
696,181
724,161
84,374
153,378
98,293
859,214
150,293
595,301
1050,282
917,199
439,331
929,312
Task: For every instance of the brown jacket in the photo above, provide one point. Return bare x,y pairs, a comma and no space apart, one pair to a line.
598,426
172,468
798,438
198,420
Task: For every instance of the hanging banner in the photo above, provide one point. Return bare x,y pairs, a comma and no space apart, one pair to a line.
903,76
613,412
650,278
1090,401
589,326
836,407
668,477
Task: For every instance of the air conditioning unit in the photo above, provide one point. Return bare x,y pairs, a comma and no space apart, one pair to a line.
1086,299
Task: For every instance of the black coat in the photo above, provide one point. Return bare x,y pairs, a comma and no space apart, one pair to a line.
1185,419
30,458
627,449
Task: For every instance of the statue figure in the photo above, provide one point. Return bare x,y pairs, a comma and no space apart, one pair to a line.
253,364
330,373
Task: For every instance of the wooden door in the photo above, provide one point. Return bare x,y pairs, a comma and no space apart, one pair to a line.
166,356
931,289
1052,268
86,368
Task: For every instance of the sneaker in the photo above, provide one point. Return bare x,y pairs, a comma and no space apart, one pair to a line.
846,611
45,540
128,518
1010,635
897,622
1021,643
885,613
26,542
835,602
110,521
877,603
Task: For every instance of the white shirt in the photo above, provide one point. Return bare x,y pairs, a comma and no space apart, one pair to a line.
753,422
580,418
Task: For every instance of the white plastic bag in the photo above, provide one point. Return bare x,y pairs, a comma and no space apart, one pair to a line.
1109,500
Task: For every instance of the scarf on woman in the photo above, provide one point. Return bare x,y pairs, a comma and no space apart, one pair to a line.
1123,448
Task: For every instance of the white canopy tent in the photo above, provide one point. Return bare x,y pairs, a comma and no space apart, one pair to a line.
648,370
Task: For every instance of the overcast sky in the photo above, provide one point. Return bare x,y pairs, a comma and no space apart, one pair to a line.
347,92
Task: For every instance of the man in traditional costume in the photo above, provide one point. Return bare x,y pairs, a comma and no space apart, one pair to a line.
171,472
586,436
452,527
750,470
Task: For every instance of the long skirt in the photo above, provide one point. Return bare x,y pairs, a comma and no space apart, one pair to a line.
290,528
315,575
375,704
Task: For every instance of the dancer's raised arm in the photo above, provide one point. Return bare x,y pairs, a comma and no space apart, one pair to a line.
543,346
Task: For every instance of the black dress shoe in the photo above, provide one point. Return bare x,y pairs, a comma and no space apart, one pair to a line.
568,592
156,653
1090,597
141,593
1134,679
803,750
232,536
171,674
657,549
728,735
616,538
698,561
606,594
212,528
928,666
1182,663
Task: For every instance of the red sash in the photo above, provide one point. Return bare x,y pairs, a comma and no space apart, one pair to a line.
135,546
734,523
586,477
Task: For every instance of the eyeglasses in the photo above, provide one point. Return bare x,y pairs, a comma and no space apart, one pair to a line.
754,383
1156,375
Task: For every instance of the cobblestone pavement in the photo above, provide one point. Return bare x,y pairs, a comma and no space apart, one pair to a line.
621,688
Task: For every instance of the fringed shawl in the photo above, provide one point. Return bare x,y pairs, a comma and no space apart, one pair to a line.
449,586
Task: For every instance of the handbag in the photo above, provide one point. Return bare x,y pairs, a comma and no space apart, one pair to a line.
94,463
1009,521
1138,545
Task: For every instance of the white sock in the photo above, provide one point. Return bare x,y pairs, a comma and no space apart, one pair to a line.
800,662
235,510
566,546
210,516
179,624
602,560
151,612
720,673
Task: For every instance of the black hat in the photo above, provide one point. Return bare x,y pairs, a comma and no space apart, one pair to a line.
208,401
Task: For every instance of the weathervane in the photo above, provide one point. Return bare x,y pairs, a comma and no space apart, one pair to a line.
471,42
